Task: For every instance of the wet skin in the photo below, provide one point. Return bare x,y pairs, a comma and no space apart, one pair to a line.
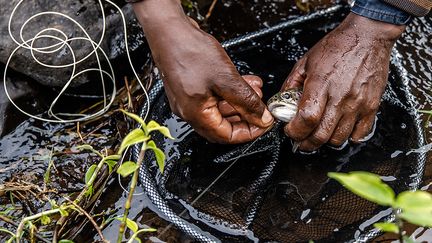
343,77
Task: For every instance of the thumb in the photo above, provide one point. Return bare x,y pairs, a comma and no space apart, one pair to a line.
240,95
297,76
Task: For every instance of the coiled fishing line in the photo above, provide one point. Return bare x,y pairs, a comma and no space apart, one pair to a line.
60,42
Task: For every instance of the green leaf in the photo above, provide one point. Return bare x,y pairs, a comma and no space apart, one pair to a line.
131,225
135,235
154,126
127,168
112,157
417,218
418,201
63,210
90,148
366,185
387,227
89,173
47,173
135,136
89,191
426,111
65,241
85,147
135,117
45,219
110,164
159,154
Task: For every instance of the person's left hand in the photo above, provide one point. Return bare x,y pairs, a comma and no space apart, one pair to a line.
343,78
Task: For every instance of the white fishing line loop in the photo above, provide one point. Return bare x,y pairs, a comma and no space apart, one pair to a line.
60,41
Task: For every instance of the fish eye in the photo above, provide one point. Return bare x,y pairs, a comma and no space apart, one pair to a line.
286,95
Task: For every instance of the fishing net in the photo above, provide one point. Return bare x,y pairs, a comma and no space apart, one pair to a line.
268,193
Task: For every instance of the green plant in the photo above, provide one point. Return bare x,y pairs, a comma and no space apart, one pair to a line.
138,135
64,210
414,207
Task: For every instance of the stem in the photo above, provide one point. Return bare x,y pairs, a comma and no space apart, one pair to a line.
80,196
20,228
399,223
135,235
213,4
90,218
128,202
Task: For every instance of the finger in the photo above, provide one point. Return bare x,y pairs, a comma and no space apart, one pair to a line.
324,130
297,76
363,129
311,108
255,82
231,131
210,124
233,119
343,130
245,101
226,109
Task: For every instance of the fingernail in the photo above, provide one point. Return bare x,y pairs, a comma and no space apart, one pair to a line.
267,117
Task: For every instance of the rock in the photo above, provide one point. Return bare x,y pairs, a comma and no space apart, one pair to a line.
85,12
18,87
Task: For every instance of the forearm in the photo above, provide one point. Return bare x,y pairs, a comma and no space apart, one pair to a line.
165,26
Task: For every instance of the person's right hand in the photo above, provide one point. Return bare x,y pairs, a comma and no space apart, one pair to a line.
198,75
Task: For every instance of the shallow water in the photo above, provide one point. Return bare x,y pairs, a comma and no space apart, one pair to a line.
295,187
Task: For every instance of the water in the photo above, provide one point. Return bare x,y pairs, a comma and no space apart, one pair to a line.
298,185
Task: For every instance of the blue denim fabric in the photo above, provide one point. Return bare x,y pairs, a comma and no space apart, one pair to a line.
381,11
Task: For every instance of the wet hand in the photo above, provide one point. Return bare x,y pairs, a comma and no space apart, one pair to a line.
202,84
343,77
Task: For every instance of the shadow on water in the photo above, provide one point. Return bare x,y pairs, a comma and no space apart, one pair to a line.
300,202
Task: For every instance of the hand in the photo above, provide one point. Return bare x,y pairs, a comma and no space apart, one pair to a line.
343,77
199,78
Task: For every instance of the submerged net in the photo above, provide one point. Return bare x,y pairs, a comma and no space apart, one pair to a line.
269,194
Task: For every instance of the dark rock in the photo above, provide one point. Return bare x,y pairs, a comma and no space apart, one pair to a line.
85,12
17,88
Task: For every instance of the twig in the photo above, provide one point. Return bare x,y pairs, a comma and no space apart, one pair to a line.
20,227
130,106
80,196
213,4
81,210
79,133
9,221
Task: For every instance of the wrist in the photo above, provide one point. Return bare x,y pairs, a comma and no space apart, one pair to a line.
165,25
155,14
372,28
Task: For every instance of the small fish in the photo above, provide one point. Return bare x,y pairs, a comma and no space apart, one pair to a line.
284,106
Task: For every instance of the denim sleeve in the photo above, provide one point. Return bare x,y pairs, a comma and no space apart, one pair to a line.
381,11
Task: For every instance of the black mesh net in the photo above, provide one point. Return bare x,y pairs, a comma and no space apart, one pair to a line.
270,194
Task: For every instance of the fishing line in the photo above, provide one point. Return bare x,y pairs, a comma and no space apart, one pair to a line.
61,42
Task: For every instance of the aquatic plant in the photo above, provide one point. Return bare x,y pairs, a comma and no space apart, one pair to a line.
414,207
59,213
139,135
